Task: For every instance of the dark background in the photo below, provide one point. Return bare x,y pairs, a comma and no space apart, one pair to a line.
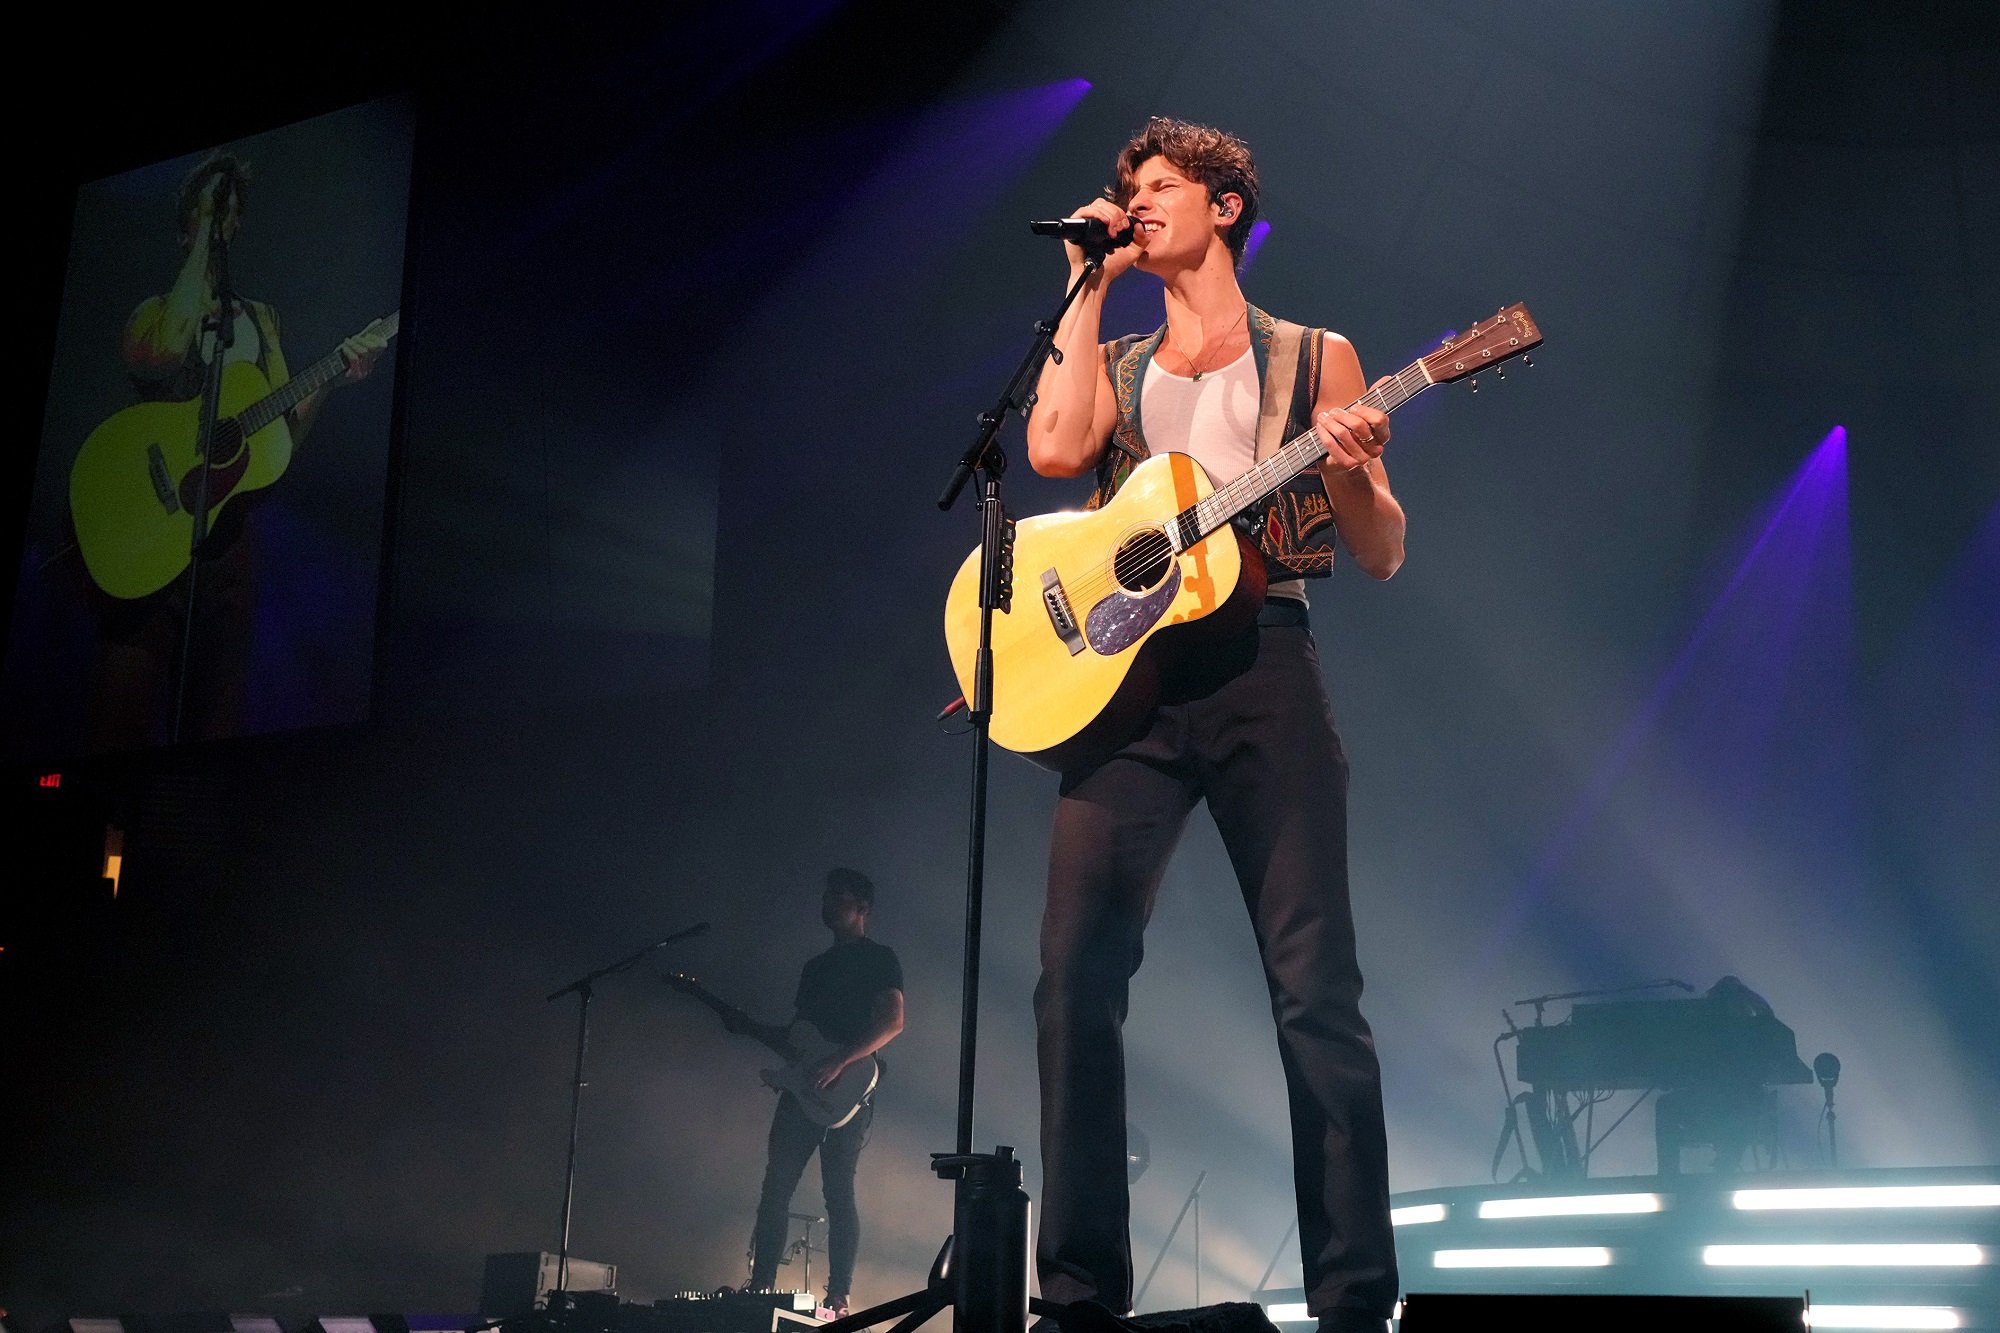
697,296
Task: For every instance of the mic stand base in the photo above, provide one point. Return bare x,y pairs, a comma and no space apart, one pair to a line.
981,1272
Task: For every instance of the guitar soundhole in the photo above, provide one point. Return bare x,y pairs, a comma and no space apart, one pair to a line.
1142,560
228,439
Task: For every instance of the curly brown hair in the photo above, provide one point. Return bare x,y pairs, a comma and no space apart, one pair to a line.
1216,158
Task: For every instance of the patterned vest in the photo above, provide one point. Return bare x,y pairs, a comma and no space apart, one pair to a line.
1295,532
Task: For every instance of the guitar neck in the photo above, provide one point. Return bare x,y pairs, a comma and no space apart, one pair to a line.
303,385
1265,479
732,1016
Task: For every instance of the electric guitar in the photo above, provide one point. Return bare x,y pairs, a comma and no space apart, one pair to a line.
136,481
1114,592
801,1047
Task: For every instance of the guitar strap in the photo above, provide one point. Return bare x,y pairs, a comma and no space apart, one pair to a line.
1281,373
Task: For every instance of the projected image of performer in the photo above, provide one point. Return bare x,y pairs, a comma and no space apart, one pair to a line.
852,996
135,483
1251,732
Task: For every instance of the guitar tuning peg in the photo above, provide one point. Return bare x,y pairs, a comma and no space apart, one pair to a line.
1475,385
1500,372
1528,361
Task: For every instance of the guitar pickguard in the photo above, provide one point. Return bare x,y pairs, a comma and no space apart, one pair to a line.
1121,620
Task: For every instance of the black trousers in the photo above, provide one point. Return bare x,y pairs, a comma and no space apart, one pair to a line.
794,1139
1263,751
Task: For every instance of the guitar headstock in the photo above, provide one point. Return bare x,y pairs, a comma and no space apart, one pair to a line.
1509,334
681,981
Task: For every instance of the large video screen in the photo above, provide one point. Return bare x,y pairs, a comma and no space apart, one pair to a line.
205,534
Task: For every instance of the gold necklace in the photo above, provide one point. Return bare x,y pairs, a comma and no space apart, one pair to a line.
1199,371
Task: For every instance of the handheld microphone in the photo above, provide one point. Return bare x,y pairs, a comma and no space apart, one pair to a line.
1091,233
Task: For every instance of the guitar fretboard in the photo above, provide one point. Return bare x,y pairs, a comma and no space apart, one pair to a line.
1263,480
304,384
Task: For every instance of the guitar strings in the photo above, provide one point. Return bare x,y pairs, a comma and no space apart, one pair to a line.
1219,506
1155,545
1226,500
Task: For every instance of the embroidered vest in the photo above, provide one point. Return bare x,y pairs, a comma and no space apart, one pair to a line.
1295,531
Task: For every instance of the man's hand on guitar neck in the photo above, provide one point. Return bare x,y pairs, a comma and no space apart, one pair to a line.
361,352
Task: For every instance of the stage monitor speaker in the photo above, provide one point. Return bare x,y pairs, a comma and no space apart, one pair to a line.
1471,1312
517,1283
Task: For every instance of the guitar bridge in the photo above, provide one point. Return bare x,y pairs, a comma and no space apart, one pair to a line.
1056,602
163,482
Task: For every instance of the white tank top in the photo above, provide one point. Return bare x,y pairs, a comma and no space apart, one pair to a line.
1213,420
246,341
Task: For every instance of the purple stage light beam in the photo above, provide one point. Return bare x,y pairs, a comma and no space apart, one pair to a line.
1260,231
1739,674
946,163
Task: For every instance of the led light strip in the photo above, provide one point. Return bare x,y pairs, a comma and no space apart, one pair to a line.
1296,1313
1579,1205
1416,1214
1881,1316
1871,1196
1843,1256
1574,1256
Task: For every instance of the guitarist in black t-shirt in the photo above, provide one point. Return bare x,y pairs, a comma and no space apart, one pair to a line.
853,993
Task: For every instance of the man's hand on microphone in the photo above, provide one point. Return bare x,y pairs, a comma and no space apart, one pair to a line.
1117,222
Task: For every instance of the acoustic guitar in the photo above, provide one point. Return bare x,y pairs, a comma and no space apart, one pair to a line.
801,1047
1108,596
137,479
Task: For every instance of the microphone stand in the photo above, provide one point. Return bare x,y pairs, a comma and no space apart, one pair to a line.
804,1244
223,325
1826,1069
582,988
981,1272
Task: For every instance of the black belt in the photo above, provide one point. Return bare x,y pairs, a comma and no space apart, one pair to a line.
1283,613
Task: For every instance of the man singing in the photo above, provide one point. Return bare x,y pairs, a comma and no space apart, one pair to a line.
1252,732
